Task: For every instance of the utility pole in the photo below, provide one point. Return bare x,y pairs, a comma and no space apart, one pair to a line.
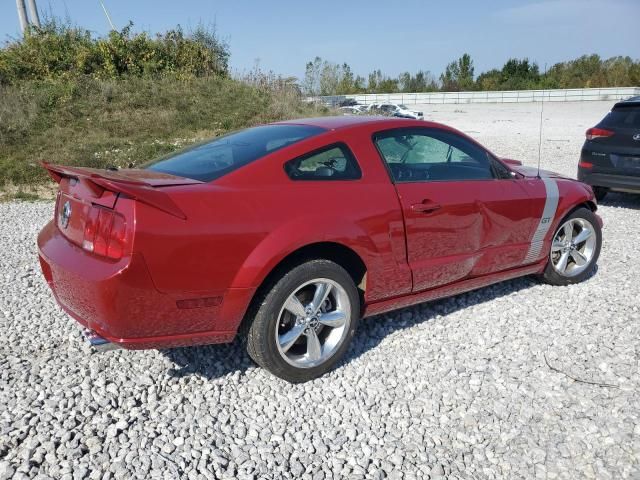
33,13
107,14
22,15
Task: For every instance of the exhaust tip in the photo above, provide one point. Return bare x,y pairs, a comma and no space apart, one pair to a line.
100,344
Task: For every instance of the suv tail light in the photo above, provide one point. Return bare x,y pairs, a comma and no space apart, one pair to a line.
594,133
105,233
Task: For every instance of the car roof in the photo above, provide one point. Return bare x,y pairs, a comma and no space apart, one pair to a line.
343,121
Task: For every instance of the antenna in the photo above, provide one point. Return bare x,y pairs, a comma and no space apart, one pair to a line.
107,14
540,138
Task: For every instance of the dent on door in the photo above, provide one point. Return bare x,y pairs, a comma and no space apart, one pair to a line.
441,242
480,227
506,210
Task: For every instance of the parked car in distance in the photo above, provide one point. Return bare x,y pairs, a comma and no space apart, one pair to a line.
610,157
288,234
349,110
348,102
404,112
393,110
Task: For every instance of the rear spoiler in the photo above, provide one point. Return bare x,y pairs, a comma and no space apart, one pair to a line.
97,182
628,103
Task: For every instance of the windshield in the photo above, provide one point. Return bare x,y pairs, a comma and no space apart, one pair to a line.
212,159
403,107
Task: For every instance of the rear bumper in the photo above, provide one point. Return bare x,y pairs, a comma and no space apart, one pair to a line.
625,183
119,302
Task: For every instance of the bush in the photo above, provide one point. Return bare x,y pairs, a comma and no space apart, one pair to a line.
57,51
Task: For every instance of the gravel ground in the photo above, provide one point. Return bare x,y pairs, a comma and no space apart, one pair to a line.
489,384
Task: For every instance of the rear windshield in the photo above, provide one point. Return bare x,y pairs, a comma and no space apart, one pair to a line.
624,117
212,159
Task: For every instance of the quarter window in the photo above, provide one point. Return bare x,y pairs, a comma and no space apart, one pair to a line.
335,162
420,154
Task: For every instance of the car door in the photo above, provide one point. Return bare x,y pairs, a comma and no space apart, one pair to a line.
463,217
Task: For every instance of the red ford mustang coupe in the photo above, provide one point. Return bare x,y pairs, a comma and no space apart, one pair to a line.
289,233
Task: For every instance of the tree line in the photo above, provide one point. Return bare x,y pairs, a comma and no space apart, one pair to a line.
323,77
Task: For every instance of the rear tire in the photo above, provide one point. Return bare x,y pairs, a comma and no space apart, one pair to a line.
575,248
303,322
600,192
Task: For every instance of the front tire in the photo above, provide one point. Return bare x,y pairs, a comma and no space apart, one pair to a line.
303,322
575,248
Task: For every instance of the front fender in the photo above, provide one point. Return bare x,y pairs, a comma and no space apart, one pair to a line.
572,194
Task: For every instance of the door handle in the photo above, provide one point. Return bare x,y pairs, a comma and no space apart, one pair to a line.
426,206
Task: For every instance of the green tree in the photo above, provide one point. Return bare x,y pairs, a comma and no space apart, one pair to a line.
346,84
311,84
458,75
329,78
490,80
326,78
375,78
514,75
519,75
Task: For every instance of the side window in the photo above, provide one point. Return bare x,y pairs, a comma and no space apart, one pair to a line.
335,162
421,154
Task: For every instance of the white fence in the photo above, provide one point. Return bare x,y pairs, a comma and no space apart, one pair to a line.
510,96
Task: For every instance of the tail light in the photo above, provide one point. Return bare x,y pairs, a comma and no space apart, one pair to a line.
584,164
105,233
594,133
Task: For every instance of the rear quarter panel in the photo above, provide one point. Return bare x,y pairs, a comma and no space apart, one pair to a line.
241,226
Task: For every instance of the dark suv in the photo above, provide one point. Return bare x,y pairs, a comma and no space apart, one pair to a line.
610,158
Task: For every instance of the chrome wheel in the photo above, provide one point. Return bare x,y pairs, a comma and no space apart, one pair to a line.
573,247
313,323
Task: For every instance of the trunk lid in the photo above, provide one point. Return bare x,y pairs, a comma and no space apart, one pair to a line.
82,190
71,215
102,187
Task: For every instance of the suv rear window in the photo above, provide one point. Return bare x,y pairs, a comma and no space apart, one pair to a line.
624,117
212,159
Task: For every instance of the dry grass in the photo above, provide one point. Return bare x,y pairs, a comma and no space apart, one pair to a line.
120,122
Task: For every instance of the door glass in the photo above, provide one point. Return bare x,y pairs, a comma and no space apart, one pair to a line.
420,155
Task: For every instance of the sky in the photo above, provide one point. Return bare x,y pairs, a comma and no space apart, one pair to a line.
394,36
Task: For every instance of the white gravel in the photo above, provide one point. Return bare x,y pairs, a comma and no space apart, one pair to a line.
458,388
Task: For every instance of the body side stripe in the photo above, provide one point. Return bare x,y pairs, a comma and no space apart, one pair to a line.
548,214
